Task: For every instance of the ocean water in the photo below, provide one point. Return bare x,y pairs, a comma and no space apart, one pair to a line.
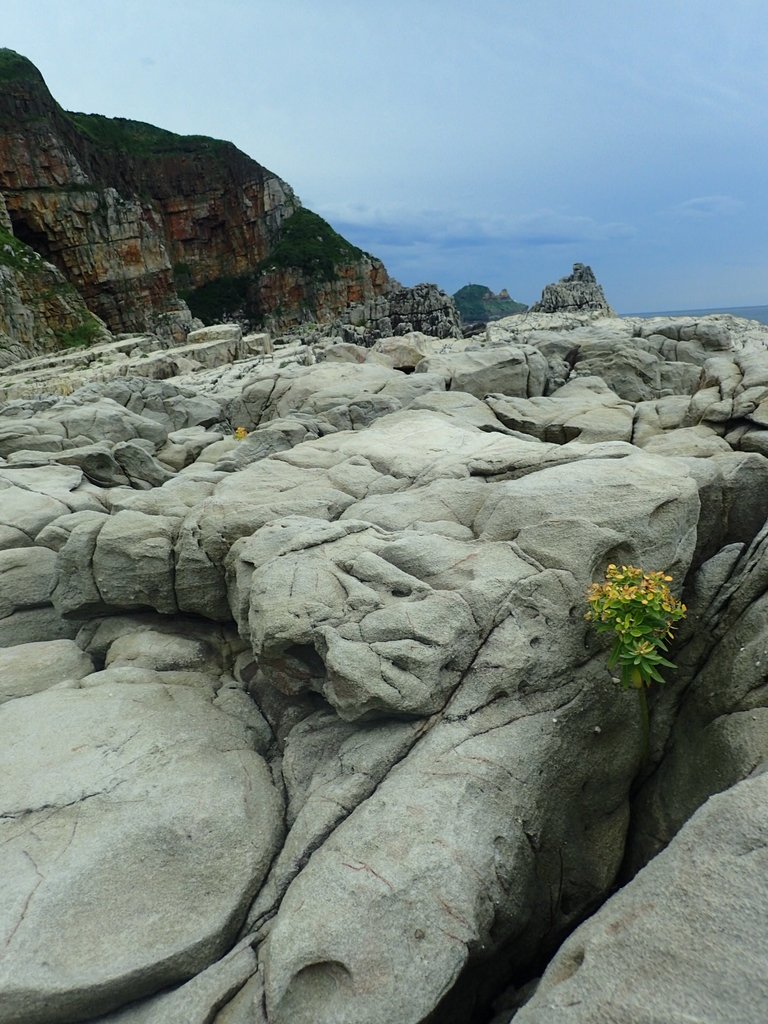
746,312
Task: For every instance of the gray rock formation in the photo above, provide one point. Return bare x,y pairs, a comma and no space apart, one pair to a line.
424,308
302,722
579,292
687,936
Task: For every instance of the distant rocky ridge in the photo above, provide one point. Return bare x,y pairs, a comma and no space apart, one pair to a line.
476,303
579,292
142,221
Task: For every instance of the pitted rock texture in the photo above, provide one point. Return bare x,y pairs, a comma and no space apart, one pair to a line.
337,672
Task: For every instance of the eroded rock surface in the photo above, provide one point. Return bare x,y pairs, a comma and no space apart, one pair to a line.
140,820
304,723
687,936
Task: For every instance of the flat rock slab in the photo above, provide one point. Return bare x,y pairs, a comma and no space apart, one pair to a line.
136,824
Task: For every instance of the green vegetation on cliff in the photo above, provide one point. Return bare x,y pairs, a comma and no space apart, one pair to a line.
309,244
88,332
258,254
477,302
139,138
37,304
15,68
220,300
135,138
16,255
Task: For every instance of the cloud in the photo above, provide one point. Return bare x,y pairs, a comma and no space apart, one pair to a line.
709,206
399,225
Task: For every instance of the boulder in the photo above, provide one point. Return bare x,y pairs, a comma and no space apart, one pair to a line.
519,371
585,409
30,667
686,939
27,578
137,818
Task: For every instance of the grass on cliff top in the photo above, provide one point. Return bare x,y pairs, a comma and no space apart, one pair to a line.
15,68
139,138
309,244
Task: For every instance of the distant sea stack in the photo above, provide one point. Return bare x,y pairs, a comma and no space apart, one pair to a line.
577,293
141,220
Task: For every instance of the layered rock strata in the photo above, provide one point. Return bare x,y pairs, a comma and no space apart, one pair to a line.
137,218
39,310
424,309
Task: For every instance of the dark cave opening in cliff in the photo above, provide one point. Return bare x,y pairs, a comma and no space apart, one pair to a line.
37,240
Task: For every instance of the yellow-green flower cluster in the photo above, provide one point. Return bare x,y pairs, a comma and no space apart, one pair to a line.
641,611
240,434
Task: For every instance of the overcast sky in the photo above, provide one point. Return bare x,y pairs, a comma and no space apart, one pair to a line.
484,141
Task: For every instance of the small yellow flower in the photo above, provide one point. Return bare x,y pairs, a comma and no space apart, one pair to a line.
240,434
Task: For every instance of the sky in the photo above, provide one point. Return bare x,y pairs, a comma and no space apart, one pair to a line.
489,142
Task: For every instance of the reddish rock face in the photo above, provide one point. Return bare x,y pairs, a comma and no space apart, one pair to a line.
131,214
293,294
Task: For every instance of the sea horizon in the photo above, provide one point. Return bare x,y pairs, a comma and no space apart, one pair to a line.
759,313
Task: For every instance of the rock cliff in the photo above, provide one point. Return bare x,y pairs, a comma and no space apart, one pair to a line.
424,308
140,219
39,309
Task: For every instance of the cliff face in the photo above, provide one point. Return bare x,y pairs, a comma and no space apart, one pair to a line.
138,218
39,309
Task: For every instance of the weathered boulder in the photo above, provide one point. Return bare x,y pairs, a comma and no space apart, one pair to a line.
519,370
29,668
686,939
27,578
718,731
585,409
137,818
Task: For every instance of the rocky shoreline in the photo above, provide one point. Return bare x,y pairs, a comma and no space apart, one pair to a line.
301,721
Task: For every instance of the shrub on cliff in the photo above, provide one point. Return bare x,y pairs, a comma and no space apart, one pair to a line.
309,244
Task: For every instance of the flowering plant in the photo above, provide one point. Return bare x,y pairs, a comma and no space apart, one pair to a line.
640,609
240,433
